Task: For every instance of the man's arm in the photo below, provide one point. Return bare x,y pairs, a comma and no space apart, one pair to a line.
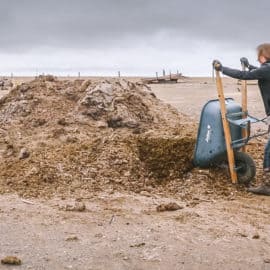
254,74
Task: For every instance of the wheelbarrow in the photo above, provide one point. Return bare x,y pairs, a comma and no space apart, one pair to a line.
224,130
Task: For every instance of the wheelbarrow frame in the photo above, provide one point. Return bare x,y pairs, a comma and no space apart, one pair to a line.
244,123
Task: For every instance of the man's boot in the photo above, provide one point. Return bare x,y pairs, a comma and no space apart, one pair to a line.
260,190
264,188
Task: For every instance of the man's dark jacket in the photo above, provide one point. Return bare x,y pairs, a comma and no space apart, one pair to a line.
262,74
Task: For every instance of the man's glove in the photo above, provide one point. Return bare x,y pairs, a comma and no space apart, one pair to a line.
244,62
217,65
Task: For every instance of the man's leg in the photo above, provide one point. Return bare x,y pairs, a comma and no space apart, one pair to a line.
264,188
266,159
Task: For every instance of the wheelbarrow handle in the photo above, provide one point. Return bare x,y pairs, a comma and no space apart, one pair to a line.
243,141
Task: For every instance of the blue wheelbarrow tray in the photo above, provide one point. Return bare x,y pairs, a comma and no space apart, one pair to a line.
210,147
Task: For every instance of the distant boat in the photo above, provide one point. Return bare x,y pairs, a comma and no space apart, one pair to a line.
171,78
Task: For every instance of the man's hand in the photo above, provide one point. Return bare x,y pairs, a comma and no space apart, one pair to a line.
217,65
244,62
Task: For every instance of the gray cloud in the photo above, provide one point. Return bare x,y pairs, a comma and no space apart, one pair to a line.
104,25
83,23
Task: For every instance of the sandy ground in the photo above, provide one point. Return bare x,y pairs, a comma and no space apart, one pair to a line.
124,231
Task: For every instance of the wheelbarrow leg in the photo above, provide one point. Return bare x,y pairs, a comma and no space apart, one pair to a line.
244,105
226,128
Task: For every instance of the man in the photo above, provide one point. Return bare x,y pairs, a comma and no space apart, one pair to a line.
262,74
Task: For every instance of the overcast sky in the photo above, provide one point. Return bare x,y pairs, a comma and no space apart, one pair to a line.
137,37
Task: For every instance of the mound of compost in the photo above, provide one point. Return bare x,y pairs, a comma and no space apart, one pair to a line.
6,84
64,137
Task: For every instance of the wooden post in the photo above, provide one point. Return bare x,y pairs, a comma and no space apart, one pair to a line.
226,128
244,105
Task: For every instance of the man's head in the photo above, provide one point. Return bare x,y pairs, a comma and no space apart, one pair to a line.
263,51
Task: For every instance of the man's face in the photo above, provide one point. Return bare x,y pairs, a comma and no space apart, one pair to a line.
262,59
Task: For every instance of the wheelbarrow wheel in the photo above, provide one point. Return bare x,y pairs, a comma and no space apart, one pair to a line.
245,168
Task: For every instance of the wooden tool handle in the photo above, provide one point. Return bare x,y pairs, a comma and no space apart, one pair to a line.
244,104
226,128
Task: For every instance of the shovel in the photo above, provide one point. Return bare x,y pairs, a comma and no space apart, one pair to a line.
244,104
226,128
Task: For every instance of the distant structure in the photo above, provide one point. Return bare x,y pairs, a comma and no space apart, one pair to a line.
171,78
